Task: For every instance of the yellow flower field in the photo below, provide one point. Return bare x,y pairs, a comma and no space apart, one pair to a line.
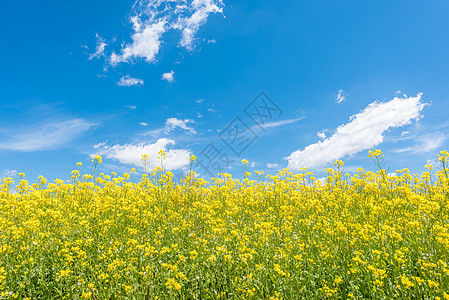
289,236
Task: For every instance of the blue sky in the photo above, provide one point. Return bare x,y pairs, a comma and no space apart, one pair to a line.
124,78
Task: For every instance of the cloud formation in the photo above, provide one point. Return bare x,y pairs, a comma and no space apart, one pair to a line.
146,42
425,143
172,123
9,173
341,96
49,136
169,76
189,25
131,154
321,134
129,81
99,49
151,19
281,123
364,130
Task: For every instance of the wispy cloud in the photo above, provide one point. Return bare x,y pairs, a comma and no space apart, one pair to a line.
9,173
173,123
282,122
425,143
169,76
151,19
49,136
272,165
341,96
200,10
99,49
131,154
129,81
363,131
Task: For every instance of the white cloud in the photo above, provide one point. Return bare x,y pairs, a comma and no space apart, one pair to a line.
341,96
281,123
9,173
99,49
146,42
129,81
143,123
425,143
190,25
49,136
272,166
321,134
131,154
199,101
168,76
364,130
99,145
151,19
173,123
131,106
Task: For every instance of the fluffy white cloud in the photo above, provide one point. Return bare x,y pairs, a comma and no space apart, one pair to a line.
146,42
169,76
99,49
173,123
129,81
131,154
151,19
272,166
364,130
50,135
322,134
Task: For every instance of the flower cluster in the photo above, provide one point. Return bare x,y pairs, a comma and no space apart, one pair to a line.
284,236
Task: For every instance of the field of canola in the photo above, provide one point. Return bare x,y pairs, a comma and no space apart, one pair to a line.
289,236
